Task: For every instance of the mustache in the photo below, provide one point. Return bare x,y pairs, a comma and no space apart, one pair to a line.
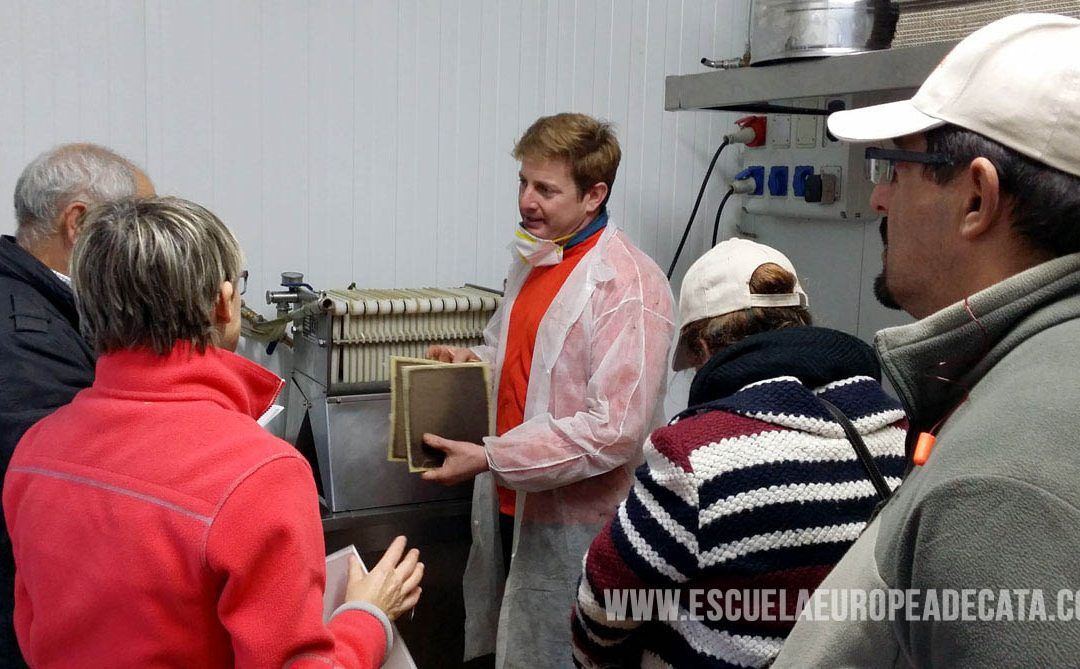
883,228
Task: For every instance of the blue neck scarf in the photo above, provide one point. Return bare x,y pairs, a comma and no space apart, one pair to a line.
598,224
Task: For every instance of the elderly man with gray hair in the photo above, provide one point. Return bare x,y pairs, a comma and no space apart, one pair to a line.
153,504
45,360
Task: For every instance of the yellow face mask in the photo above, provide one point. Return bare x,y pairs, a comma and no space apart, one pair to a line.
538,252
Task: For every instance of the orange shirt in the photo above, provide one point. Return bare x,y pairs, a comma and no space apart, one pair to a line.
536,295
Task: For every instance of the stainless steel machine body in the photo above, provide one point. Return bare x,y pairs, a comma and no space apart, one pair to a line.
339,403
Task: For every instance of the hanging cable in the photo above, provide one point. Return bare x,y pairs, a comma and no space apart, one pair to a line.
719,210
743,184
697,203
746,132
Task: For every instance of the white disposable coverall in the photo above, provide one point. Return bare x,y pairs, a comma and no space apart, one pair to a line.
595,392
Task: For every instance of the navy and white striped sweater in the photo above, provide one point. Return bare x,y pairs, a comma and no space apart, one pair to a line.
760,491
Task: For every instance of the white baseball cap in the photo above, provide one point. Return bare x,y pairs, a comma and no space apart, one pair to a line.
1015,81
718,283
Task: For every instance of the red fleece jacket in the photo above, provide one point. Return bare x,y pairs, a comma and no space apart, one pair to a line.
155,524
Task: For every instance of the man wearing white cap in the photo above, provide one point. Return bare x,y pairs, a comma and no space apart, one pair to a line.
755,488
975,556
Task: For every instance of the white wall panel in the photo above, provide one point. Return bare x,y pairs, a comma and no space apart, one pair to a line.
617,106
49,84
636,134
676,172
364,54
180,107
658,37
490,164
457,184
236,137
598,95
124,44
515,108
13,134
407,117
368,141
378,89
283,93
422,199
84,89
330,143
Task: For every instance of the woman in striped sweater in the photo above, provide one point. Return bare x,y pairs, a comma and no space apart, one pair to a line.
750,496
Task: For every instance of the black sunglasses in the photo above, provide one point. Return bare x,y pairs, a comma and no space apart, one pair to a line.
241,281
881,163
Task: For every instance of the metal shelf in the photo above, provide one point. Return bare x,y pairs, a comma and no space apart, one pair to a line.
748,88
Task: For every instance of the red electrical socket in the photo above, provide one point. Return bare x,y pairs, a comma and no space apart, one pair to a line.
757,124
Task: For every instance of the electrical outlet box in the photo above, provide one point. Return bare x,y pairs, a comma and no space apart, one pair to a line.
833,105
812,188
844,193
759,124
757,173
780,131
778,176
806,131
837,173
798,180
830,189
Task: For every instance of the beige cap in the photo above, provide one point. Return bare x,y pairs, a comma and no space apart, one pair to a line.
718,283
1016,81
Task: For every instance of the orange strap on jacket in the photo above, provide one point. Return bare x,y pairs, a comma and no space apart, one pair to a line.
923,445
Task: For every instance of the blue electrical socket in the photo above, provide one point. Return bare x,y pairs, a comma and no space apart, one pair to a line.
798,180
778,180
757,173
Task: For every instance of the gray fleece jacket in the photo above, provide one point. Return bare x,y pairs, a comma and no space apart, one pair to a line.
997,505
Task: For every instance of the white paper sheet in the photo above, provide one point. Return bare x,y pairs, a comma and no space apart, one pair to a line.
270,414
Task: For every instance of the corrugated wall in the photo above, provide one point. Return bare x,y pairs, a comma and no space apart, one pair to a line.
367,141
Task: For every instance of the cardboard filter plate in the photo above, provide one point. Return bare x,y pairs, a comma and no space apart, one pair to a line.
449,400
399,447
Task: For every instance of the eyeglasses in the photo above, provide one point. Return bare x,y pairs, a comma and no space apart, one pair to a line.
241,281
881,163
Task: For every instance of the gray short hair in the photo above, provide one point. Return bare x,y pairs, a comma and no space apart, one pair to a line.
146,273
70,172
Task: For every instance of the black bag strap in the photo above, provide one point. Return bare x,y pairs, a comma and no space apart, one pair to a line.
861,450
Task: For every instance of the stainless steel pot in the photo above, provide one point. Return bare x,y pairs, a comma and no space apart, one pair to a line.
784,29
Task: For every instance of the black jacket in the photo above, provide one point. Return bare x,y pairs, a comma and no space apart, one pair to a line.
44,361
814,355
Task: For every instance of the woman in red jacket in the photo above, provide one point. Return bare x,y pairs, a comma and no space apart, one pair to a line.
154,523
